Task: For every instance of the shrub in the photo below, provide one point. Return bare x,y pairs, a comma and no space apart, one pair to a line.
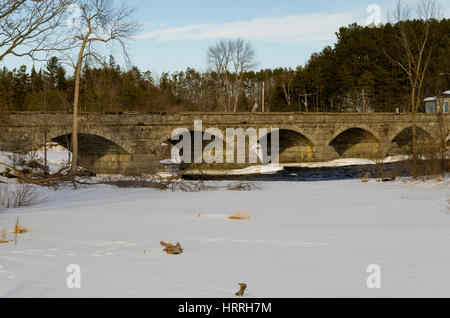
432,159
242,186
240,216
365,178
4,237
14,196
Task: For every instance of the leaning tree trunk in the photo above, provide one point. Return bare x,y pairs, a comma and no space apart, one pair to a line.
414,144
236,98
76,98
415,102
75,122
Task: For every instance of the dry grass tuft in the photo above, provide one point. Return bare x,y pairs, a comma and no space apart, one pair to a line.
20,228
200,217
438,179
365,178
4,237
240,216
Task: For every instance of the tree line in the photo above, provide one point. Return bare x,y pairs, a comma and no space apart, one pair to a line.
356,74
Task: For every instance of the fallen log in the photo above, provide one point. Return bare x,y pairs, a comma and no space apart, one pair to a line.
40,182
171,249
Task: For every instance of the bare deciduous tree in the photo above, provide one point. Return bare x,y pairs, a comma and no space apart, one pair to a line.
101,24
28,26
285,78
231,59
219,57
417,49
243,60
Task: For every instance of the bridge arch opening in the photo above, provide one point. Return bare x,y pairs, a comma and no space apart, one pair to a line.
356,143
96,153
404,139
294,147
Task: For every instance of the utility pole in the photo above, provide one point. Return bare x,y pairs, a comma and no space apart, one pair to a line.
262,97
255,107
364,101
305,95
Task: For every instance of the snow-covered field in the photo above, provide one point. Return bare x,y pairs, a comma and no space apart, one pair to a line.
304,239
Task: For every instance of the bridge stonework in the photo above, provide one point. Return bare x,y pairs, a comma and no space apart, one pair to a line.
134,143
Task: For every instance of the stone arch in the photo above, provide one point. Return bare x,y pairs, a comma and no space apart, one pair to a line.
294,147
313,138
348,127
97,153
408,126
356,142
403,138
101,133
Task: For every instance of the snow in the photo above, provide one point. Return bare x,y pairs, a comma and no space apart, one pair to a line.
57,157
262,169
345,162
56,154
274,168
304,239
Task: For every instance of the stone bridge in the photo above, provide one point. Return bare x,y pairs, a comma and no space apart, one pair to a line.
134,143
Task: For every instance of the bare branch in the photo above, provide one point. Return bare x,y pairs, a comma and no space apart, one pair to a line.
28,27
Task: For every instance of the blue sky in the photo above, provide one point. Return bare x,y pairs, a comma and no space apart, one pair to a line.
285,33
176,33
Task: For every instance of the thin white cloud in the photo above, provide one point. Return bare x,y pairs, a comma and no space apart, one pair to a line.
293,28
